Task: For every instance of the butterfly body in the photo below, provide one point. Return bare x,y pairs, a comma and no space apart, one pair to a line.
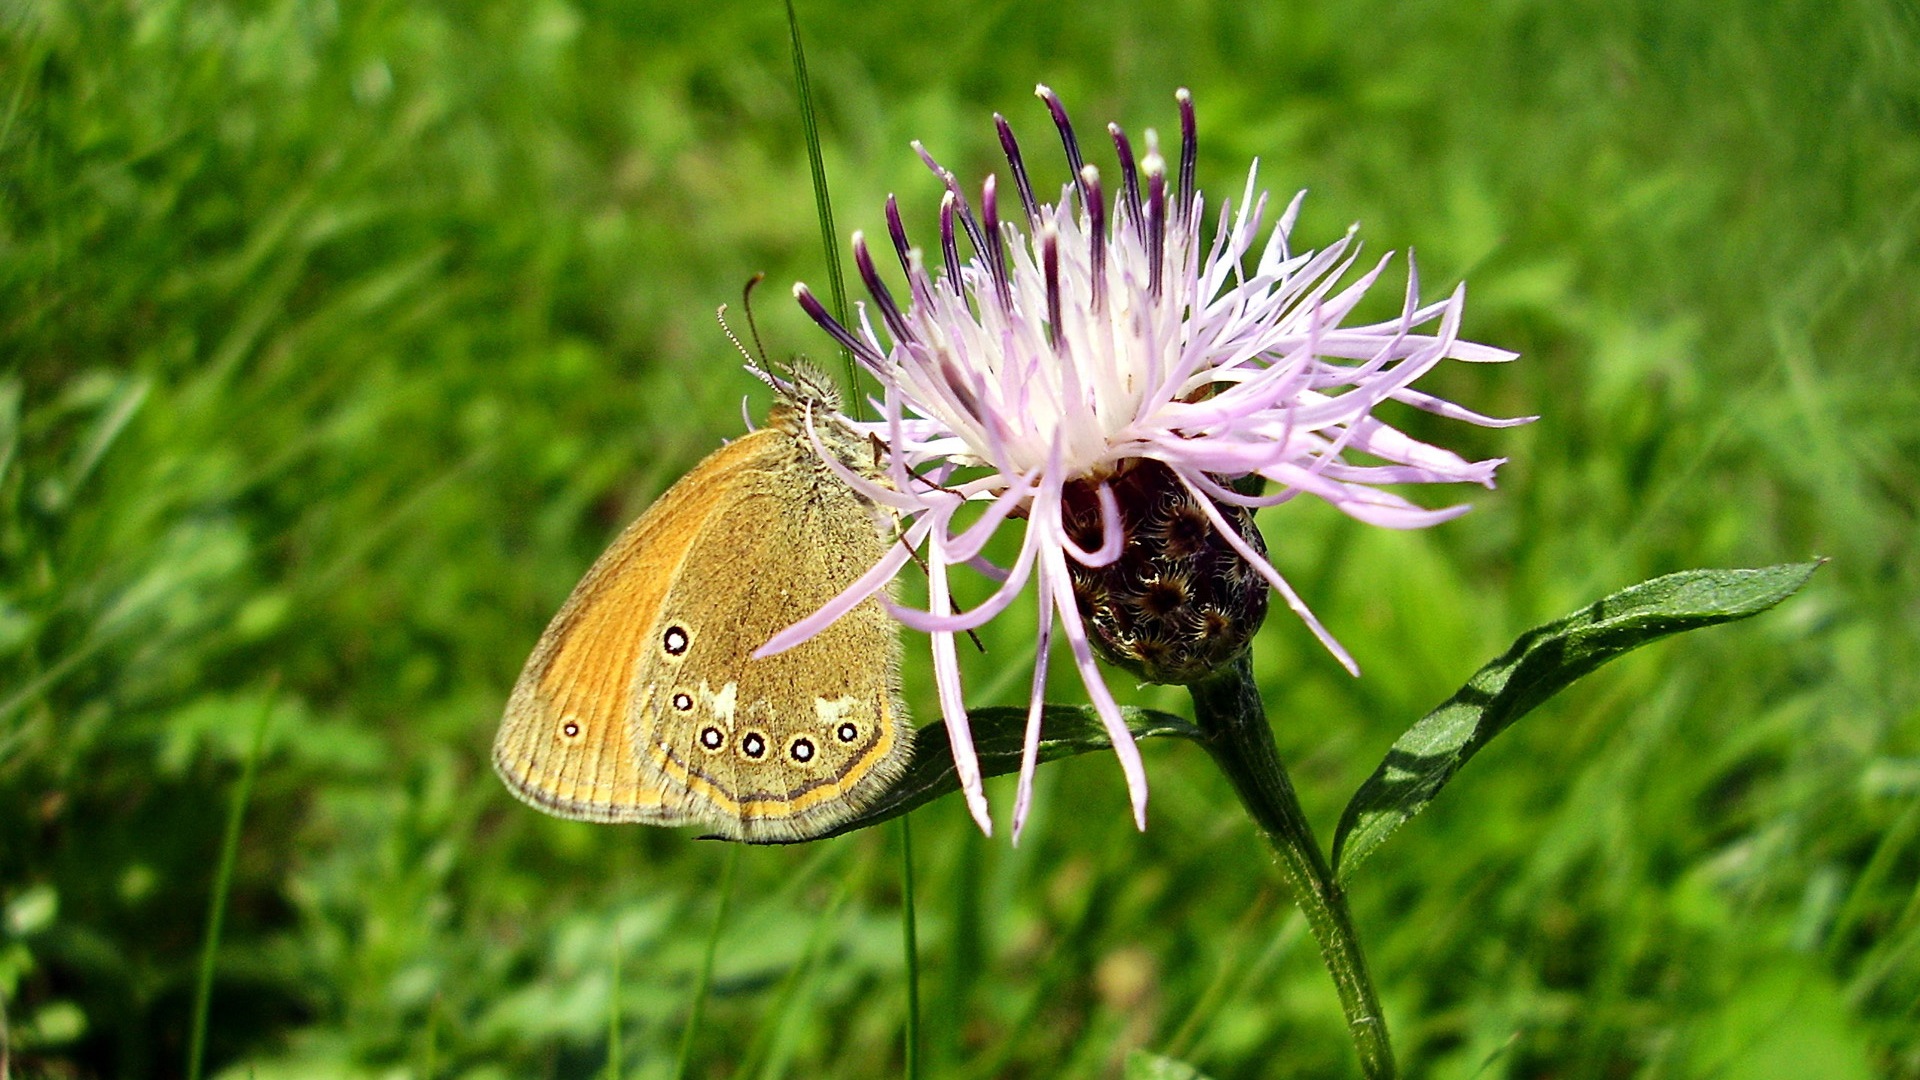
642,701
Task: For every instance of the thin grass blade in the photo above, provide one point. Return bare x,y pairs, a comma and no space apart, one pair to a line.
822,201
223,884
705,985
910,948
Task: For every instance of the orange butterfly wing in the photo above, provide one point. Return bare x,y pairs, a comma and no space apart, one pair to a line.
566,744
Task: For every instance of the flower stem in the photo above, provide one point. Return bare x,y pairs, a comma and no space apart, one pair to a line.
1229,712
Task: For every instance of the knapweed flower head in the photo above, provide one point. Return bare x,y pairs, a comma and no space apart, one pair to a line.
1119,382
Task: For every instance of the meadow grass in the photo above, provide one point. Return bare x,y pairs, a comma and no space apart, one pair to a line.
338,339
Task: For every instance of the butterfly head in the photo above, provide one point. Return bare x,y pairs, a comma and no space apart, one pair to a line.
808,399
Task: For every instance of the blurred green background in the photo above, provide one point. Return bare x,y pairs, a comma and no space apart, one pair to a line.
338,338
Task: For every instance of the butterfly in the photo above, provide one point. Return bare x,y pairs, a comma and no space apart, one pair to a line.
642,701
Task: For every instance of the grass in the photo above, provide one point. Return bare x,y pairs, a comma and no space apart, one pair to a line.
217,904
338,339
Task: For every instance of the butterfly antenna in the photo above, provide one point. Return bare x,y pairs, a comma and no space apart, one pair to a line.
746,304
727,329
802,379
756,356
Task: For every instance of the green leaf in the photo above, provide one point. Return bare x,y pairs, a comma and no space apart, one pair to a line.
1539,665
1144,1065
998,734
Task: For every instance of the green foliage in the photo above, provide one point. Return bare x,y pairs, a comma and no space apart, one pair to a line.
999,736
335,340
1144,1066
1545,661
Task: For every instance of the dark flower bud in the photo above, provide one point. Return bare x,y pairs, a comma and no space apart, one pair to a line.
1179,602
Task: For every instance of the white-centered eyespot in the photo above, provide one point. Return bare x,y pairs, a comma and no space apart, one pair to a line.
675,641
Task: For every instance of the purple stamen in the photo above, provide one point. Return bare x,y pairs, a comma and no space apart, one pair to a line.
1007,143
996,254
1060,121
1129,176
949,246
882,298
818,313
956,383
953,187
1156,168
1189,154
1050,265
897,229
974,232
1096,203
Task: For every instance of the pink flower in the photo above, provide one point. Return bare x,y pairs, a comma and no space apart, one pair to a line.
1098,331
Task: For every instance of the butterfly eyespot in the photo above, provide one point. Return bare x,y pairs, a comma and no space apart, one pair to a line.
801,750
683,702
571,729
754,745
711,738
848,731
675,640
